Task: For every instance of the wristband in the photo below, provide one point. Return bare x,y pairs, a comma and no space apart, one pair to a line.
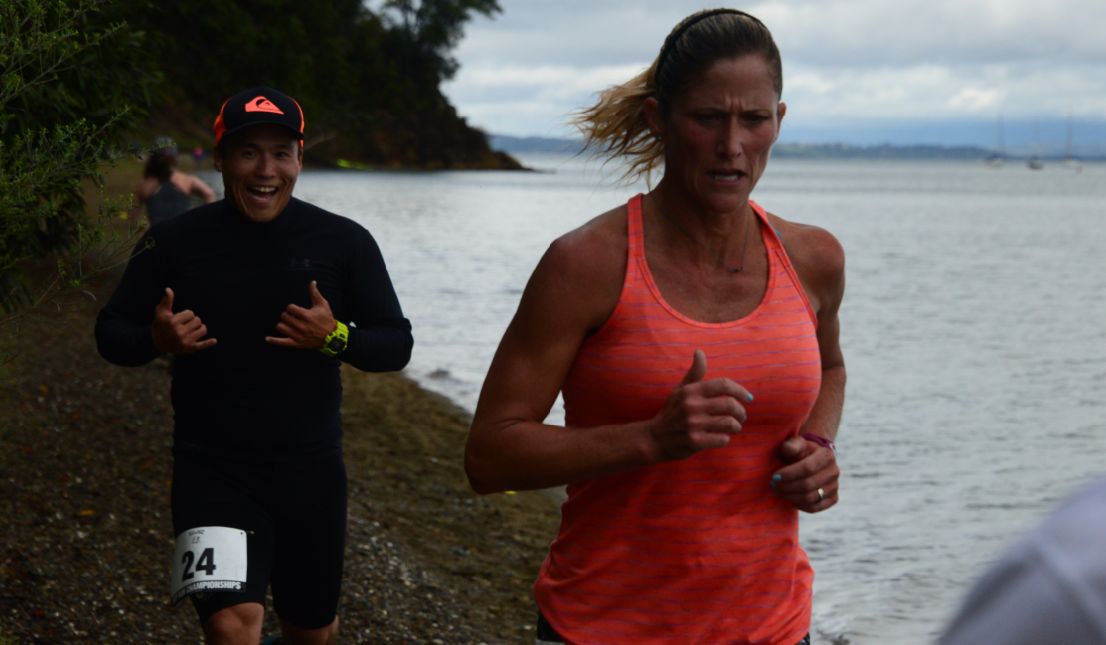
825,442
336,341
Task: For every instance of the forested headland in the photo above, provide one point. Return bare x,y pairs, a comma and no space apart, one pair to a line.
85,83
368,79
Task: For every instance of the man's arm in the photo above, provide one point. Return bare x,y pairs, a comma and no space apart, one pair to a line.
123,325
380,337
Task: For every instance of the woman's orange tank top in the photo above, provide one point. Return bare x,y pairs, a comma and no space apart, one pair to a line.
698,550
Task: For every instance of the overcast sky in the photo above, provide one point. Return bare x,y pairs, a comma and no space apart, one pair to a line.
526,69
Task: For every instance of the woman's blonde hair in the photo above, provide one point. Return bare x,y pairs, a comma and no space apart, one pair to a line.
615,126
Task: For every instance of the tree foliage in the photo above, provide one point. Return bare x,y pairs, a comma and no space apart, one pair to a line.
368,79
428,31
71,78
75,75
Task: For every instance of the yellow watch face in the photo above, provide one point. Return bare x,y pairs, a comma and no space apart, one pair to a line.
336,341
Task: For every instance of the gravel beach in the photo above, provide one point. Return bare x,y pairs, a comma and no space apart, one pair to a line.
84,493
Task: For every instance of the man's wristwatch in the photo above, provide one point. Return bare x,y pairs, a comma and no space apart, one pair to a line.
336,341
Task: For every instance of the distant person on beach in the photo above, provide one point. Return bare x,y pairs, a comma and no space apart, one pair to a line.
694,337
260,297
1050,587
165,191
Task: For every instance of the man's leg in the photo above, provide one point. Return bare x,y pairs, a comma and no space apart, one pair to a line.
310,541
236,625
292,635
213,494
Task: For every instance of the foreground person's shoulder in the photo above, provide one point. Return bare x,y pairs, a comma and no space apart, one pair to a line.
810,247
597,245
308,212
581,273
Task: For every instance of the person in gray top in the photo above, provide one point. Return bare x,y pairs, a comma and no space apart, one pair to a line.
165,191
1050,587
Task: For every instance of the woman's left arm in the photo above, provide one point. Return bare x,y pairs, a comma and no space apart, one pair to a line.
809,480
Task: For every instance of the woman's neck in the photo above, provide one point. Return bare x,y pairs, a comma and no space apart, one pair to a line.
719,239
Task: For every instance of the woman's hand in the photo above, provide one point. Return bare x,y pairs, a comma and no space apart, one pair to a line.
809,480
699,415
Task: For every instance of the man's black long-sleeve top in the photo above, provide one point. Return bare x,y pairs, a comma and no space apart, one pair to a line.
244,396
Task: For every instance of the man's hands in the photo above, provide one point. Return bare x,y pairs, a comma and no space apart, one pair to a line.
177,333
305,328
699,414
183,332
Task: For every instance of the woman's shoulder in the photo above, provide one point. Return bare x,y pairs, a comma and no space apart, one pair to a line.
598,237
818,258
809,246
586,266
595,249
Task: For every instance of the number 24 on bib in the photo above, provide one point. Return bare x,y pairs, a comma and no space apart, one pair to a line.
209,558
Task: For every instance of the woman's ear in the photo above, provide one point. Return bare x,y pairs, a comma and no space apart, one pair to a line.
780,112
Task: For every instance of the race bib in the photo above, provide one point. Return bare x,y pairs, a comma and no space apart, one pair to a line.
209,558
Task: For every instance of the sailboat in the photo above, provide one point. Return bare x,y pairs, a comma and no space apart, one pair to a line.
1034,162
1069,159
998,158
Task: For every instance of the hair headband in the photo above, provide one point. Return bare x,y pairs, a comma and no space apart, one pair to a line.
670,41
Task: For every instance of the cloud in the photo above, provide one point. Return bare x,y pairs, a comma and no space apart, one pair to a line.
538,61
550,81
948,32
974,99
929,91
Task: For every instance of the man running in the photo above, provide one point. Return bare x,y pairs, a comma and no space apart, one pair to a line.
259,297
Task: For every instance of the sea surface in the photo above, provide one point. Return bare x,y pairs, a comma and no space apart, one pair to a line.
973,326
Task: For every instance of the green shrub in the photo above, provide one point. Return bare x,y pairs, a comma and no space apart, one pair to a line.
72,79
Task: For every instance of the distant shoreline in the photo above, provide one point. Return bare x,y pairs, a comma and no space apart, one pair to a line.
548,145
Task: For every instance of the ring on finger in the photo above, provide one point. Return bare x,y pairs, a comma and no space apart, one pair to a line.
821,494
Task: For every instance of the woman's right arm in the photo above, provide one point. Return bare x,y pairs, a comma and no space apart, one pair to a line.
197,188
570,294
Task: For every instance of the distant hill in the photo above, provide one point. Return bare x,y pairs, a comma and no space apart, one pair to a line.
883,151
510,144
1018,137
549,145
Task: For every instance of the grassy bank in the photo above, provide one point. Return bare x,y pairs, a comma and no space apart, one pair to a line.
84,490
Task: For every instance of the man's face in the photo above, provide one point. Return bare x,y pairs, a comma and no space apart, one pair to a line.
260,166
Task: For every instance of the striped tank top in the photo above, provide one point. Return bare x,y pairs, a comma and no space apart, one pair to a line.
697,550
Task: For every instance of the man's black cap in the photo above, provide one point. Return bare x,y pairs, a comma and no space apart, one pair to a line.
256,106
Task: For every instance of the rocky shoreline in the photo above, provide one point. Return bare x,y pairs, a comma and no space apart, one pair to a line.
84,493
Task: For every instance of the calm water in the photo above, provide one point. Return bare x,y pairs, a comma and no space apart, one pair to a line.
974,328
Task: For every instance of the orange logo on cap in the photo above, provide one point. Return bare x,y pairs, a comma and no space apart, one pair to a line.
262,104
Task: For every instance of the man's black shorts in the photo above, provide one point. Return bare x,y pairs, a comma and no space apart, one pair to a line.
294,516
